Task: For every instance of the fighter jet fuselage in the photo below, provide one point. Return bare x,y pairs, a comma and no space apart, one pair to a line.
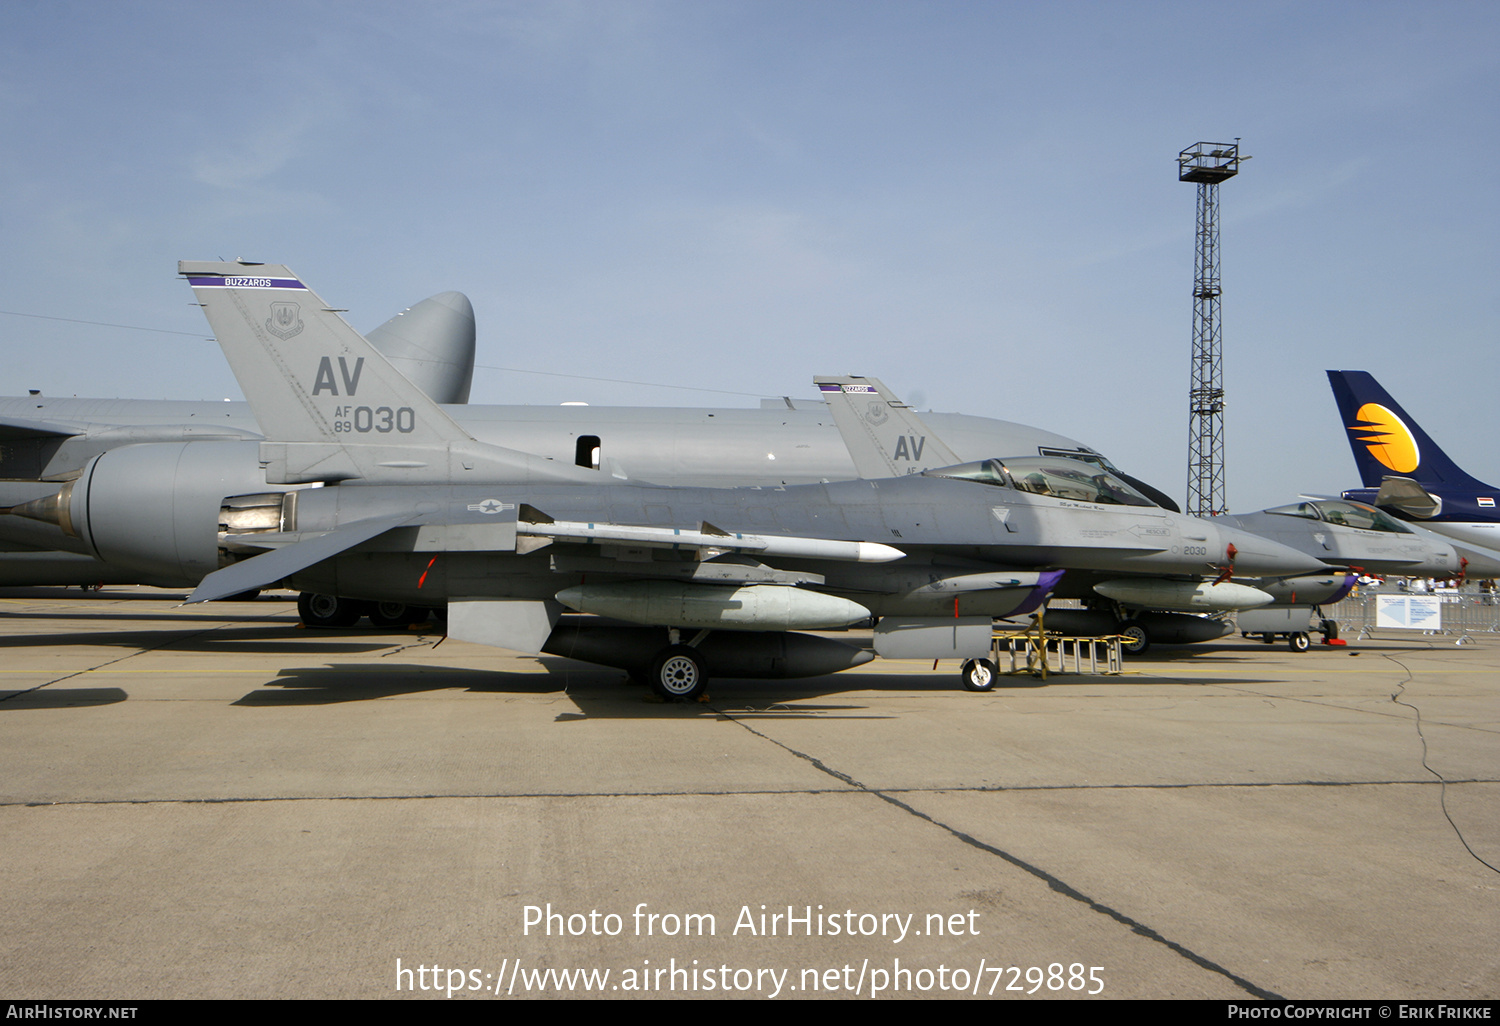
937,528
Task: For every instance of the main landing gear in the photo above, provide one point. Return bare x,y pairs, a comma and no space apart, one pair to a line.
676,672
1134,638
328,610
333,611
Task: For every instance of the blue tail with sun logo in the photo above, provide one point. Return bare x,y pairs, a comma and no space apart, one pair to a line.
1387,441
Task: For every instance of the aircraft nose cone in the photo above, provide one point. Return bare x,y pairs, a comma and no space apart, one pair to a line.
1261,557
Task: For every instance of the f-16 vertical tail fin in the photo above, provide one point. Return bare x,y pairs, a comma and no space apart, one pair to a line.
885,437
330,405
1386,441
308,375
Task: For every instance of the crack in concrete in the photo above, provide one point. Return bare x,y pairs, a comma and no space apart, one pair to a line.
1396,698
853,788
1055,883
111,662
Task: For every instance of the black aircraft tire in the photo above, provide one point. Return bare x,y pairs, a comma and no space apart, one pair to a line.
1268,638
1299,642
677,672
328,610
395,614
1134,638
979,675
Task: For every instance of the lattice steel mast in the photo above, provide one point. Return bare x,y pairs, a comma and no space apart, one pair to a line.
1207,164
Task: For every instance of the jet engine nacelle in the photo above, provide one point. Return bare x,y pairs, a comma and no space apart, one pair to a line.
154,509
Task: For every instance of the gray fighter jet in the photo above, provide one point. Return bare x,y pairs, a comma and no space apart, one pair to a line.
365,488
45,441
888,438
1345,534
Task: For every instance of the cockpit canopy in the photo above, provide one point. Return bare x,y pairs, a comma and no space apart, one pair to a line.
1343,513
1049,475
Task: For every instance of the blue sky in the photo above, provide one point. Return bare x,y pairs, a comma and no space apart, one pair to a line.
976,202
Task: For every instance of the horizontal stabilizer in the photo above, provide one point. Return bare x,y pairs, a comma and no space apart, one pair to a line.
1406,496
270,567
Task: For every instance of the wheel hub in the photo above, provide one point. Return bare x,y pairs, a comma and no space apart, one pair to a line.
679,675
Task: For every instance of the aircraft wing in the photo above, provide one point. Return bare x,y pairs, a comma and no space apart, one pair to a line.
290,553
885,437
270,567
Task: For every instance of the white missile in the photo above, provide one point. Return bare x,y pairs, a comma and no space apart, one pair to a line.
1185,595
711,538
756,607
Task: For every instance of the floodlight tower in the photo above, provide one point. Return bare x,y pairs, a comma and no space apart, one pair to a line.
1208,164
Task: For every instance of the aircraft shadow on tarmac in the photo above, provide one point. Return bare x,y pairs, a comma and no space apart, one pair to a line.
601,692
261,639
70,593
173,605
166,616
597,691
59,698
363,682
1218,654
